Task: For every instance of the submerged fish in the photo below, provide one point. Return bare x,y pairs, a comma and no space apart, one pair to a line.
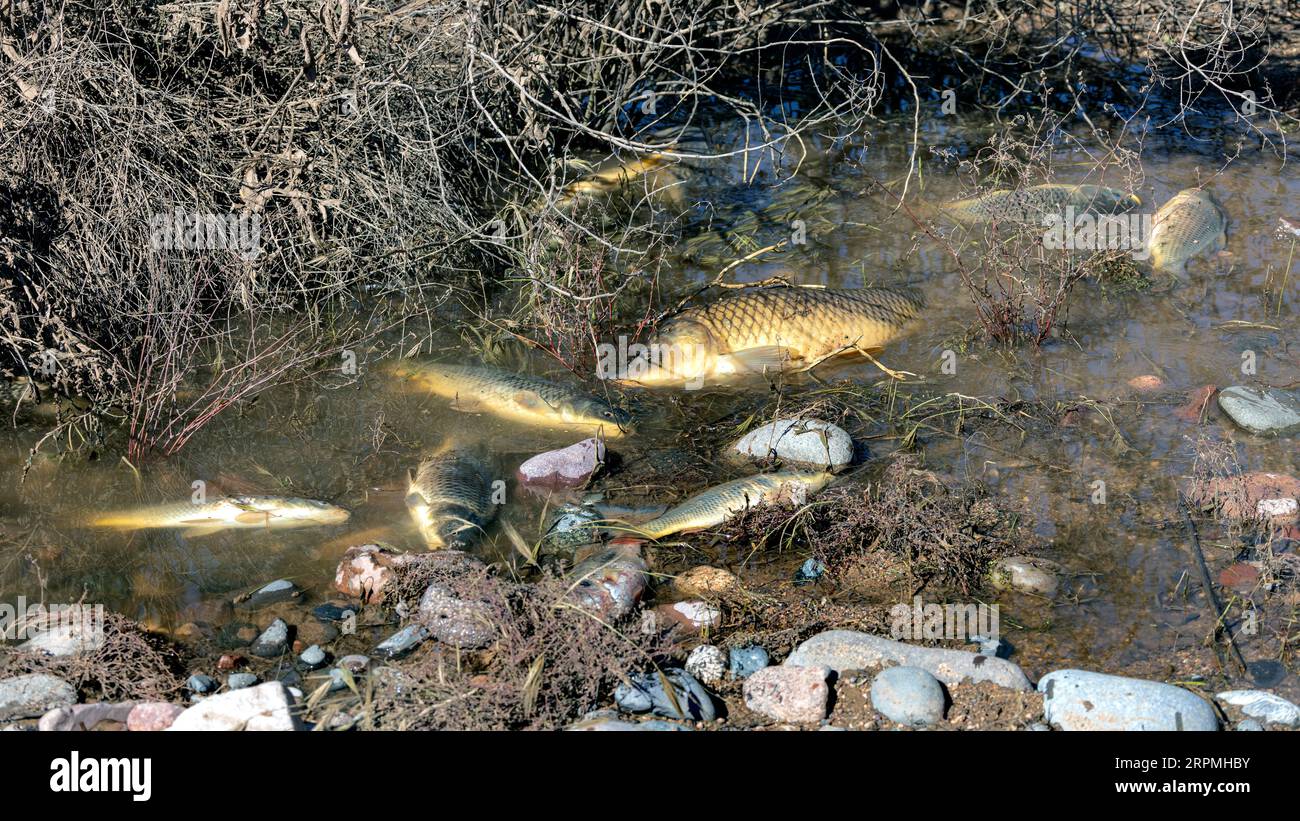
1191,222
450,499
1030,205
615,173
717,504
771,329
514,396
275,512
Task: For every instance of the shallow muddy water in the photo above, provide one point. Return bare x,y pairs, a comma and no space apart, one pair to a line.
351,440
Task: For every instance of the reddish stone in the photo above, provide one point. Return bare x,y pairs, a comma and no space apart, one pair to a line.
1240,576
152,716
1196,402
230,662
366,569
1238,497
1148,383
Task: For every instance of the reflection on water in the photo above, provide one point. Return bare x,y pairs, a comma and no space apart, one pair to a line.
353,445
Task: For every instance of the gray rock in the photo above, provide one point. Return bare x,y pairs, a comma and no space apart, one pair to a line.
402,642
1025,574
84,716
199,683
33,695
747,660
802,442
273,641
707,663
1082,700
1259,411
70,638
606,721
1266,707
1250,725
908,695
313,657
355,663
454,621
280,590
843,650
264,707
789,693
809,572
238,681
645,693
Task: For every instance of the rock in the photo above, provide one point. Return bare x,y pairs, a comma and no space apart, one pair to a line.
908,696
707,663
33,695
809,443
809,572
1264,412
1025,574
366,570
230,662
312,632
573,466
747,660
571,527
355,664
273,642
1147,383
790,693
313,657
645,693
1081,700
236,634
609,721
1250,725
457,622
707,582
199,683
264,707
1266,707
610,582
238,681
402,642
1241,577
153,716
339,679
843,650
280,590
1248,496
65,638
335,611
692,615
1197,400
84,716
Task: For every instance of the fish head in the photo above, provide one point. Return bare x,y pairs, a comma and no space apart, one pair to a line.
1113,201
595,411
684,352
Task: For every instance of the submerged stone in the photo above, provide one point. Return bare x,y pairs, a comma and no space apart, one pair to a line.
1261,411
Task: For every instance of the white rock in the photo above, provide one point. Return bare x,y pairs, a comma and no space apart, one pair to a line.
707,663
1266,707
67,638
267,706
809,442
1269,508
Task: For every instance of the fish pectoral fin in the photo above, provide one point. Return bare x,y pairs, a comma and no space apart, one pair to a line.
761,359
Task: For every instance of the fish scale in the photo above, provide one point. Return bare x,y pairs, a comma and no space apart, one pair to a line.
1190,222
1029,205
450,499
810,322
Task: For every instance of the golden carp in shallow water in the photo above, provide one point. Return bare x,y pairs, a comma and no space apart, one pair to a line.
773,329
450,499
1191,222
526,399
717,504
273,512
615,173
1031,205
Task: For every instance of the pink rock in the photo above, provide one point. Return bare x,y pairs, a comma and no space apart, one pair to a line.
365,570
693,615
568,467
1258,495
788,693
84,716
1146,383
153,716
